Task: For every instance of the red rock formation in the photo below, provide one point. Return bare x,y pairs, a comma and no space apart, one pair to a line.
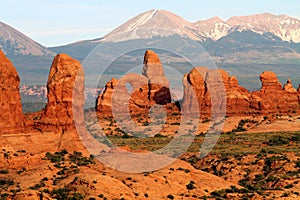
195,91
272,98
208,84
269,82
216,90
205,91
65,94
150,88
104,100
11,118
152,65
289,86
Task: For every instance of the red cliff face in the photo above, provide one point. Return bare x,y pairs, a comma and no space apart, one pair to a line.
11,117
65,85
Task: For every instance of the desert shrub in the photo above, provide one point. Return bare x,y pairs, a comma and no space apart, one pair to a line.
259,177
6,182
278,141
55,158
3,171
170,196
4,196
206,120
66,194
78,159
286,194
191,185
21,170
298,164
273,179
288,186
38,185
158,135
270,160
126,136
240,127
296,138
146,123
219,193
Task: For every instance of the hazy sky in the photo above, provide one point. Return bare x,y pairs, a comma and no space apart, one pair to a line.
54,22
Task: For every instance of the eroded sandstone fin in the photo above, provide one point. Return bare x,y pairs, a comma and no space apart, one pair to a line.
11,118
152,65
65,94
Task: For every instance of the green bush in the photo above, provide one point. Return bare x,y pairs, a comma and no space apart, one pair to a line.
78,159
158,135
278,141
3,171
66,194
191,185
4,183
54,158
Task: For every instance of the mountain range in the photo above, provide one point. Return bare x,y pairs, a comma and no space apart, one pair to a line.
163,23
262,38
255,41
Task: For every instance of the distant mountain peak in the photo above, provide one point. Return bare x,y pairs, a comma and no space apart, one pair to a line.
150,24
13,42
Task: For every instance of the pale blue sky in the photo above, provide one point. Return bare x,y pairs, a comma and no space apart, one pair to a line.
55,22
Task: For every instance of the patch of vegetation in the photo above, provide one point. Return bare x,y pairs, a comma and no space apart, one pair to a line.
278,140
191,185
57,156
3,171
38,185
66,193
242,123
80,160
4,183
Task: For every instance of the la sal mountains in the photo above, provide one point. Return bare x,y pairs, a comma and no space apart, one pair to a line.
243,45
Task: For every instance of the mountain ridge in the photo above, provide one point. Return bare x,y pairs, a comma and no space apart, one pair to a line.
14,42
285,27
